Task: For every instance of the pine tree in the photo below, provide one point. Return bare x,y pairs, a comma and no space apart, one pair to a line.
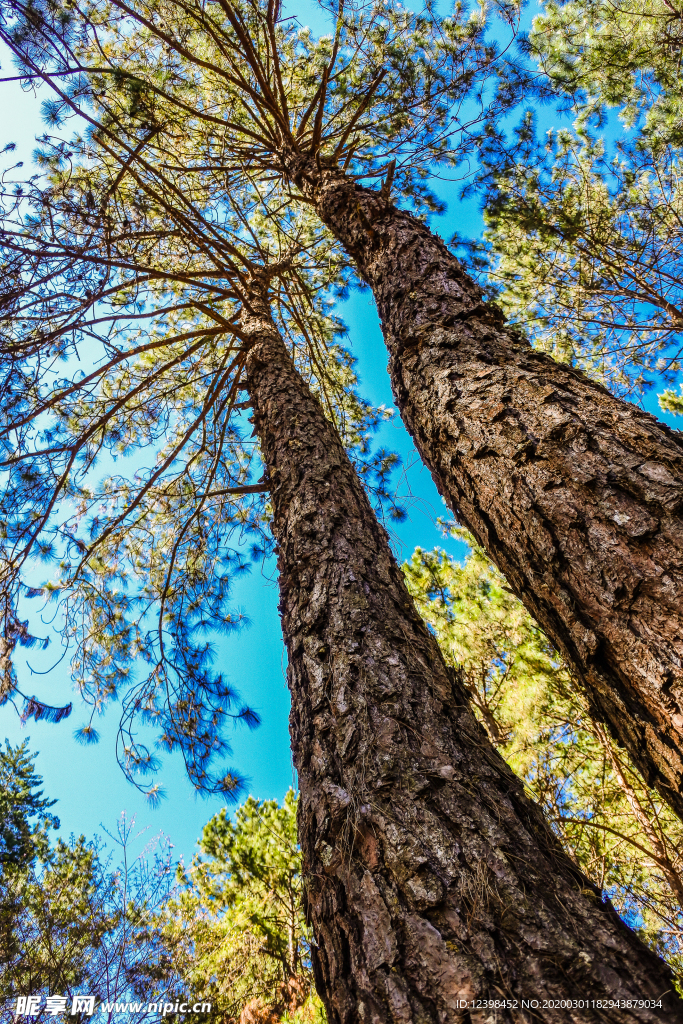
575,495
238,926
70,921
21,839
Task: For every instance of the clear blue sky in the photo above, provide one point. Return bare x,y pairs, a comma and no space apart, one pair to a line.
86,780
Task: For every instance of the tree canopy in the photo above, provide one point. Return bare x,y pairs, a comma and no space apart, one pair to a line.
238,928
584,227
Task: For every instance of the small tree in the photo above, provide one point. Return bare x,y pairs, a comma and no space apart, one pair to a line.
239,924
70,922
21,839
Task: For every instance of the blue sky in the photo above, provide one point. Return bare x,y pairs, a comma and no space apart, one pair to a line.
90,787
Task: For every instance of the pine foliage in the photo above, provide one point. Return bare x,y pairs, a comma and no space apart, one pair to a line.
620,833
130,467
584,241
239,928
25,818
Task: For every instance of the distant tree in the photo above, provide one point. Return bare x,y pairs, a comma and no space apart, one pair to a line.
238,929
71,922
672,402
22,839
54,922
621,834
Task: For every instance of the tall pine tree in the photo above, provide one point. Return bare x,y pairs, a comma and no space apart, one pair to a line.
433,885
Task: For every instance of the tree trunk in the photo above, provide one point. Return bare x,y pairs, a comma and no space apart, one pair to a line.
432,882
576,496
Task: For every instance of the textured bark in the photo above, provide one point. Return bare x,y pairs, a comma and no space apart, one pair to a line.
576,496
431,880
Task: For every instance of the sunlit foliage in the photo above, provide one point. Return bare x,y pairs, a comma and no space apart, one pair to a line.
238,929
584,242
620,833
25,817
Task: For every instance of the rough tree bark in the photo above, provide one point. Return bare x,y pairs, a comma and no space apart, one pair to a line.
431,880
576,496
